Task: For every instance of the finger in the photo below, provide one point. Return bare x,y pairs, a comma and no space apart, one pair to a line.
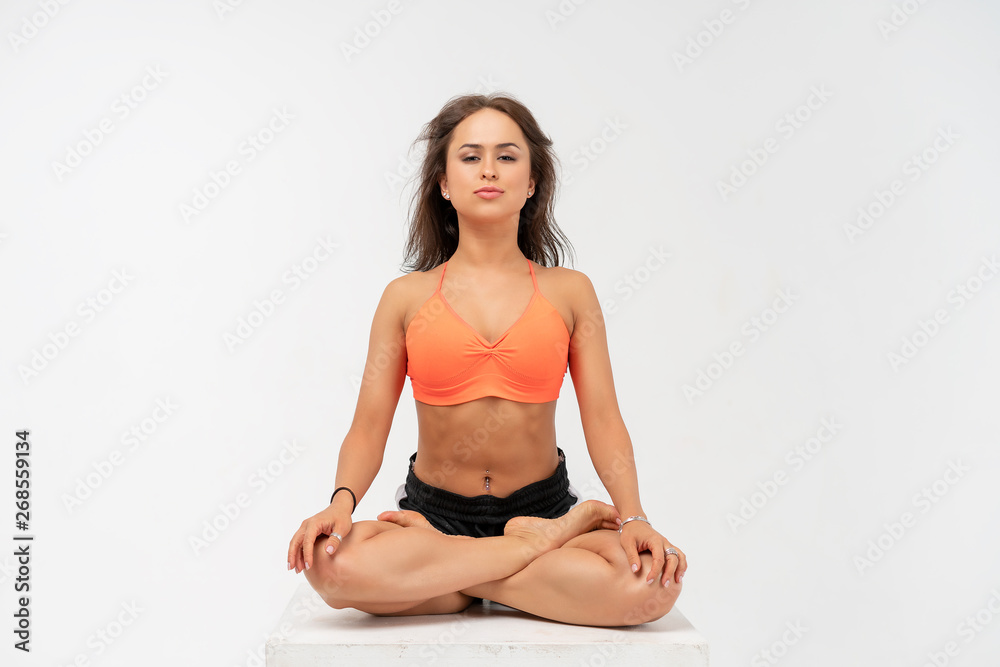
292,549
307,546
398,517
671,567
402,518
632,554
297,563
657,568
297,553
332,544
682,567
610,524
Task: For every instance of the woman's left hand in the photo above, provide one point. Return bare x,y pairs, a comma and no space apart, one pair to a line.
639,536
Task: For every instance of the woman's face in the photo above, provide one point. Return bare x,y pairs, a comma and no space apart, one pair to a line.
488,149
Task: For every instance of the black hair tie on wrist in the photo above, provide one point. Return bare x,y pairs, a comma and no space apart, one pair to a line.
352,496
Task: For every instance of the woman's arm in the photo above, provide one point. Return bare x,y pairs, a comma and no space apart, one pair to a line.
608,441
381,384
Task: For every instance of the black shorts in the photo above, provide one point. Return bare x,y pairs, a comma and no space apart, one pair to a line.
486,515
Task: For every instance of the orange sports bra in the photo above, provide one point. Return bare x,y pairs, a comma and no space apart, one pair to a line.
449,362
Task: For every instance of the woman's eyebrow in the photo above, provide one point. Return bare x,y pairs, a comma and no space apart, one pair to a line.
509,143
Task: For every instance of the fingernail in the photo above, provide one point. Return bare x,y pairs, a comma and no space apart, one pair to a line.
329,549
307,566
666,583
635,567
649,581
289,565
681,578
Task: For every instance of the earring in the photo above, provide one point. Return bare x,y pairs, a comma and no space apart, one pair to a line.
446,195
531,192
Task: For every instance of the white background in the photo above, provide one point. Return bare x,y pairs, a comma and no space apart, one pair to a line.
335,171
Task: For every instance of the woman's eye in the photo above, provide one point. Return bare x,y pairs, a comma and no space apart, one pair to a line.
509,158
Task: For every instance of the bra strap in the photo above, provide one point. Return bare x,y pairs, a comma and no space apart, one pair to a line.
441,279
533,280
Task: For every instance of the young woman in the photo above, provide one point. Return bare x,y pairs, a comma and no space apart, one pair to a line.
486,325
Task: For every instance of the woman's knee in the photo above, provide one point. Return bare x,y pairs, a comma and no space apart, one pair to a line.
648,602
331,575
637,602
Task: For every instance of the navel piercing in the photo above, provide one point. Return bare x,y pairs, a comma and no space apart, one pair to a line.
487,479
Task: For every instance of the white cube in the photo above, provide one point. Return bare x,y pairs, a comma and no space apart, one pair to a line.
312,634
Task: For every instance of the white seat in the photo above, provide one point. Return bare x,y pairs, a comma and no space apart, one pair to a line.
311,634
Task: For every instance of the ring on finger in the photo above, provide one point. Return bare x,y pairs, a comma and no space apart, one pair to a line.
338,536
672,552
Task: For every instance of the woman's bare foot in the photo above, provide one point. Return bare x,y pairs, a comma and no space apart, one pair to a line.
407,518
548,534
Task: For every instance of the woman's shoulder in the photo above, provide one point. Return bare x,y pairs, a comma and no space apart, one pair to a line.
403,294
414,281
563,278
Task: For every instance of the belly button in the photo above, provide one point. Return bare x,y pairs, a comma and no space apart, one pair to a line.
487,479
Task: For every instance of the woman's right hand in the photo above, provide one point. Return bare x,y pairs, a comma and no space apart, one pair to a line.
334,519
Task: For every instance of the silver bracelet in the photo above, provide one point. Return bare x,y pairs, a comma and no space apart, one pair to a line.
633,518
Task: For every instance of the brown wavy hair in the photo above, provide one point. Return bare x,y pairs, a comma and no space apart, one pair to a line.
433,220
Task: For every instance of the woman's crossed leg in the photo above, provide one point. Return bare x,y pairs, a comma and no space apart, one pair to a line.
570,569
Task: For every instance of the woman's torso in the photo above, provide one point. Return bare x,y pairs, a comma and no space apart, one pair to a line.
515,441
